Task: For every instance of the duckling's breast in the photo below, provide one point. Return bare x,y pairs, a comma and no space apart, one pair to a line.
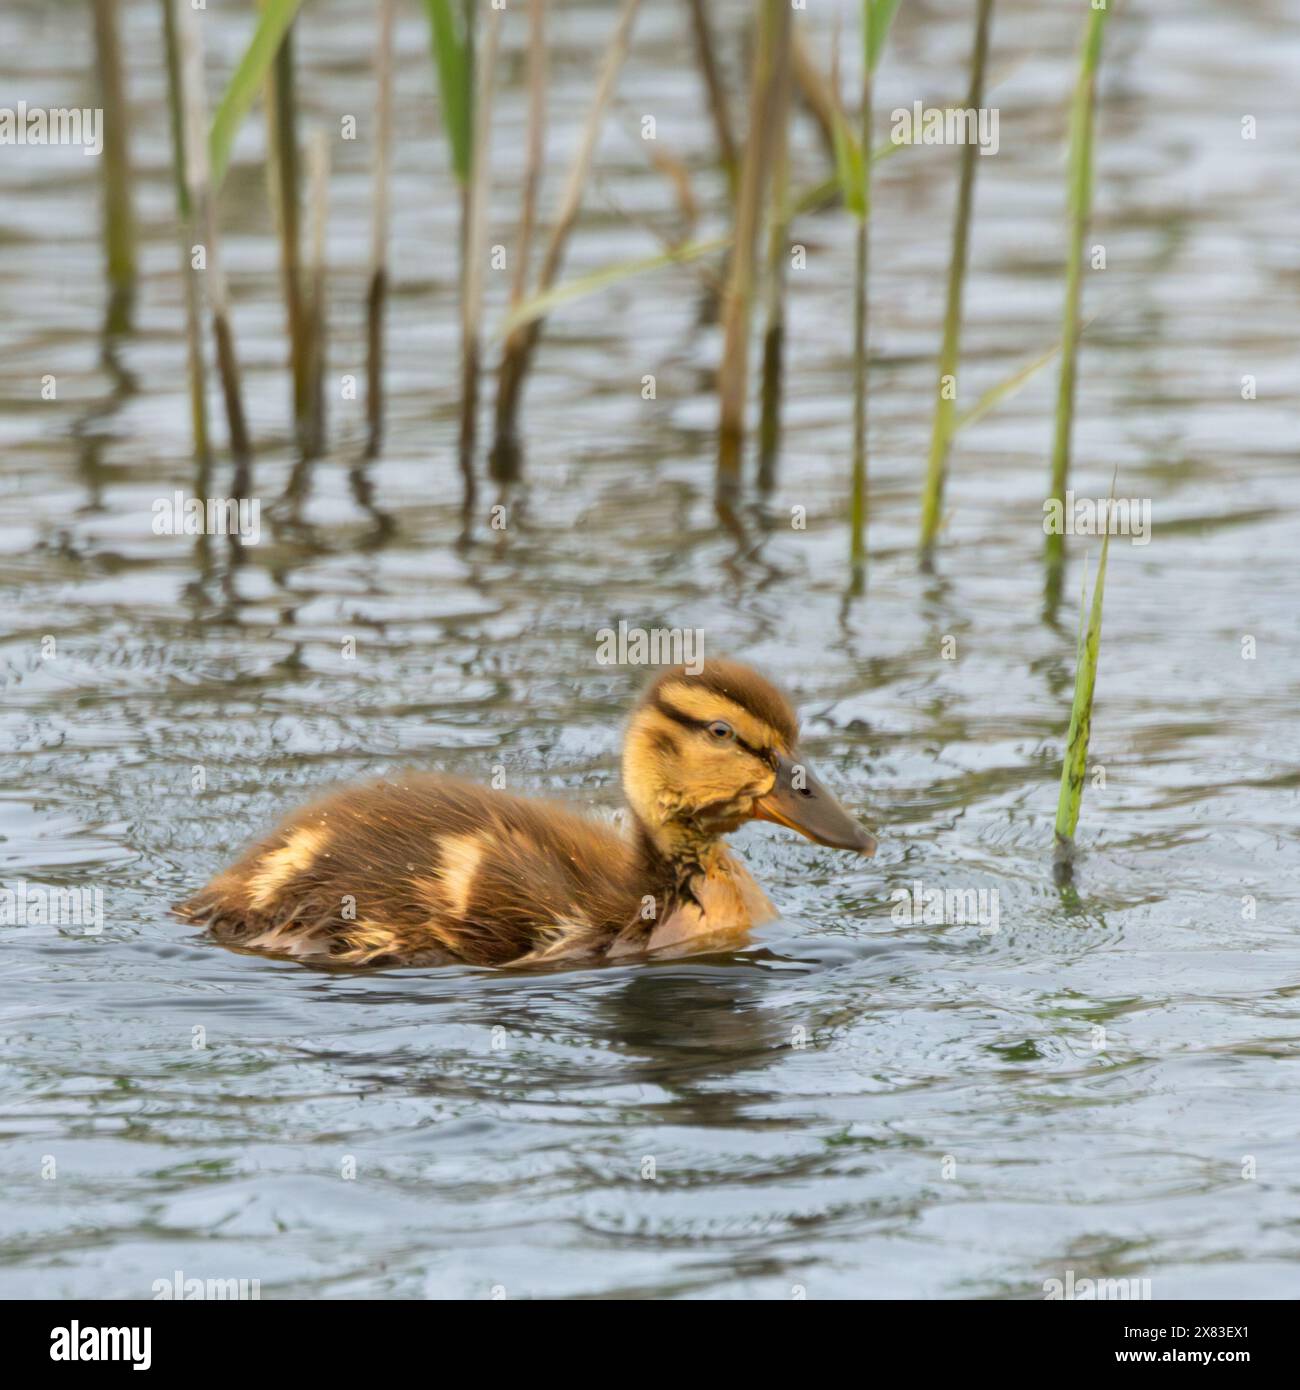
724,904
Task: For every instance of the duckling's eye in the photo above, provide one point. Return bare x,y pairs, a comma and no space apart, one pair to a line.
719,730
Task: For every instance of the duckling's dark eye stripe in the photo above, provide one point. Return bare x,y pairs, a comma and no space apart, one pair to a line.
762,754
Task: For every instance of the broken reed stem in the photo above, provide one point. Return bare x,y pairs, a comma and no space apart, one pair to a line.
536,147
945,405
773,21
203,204
716,91
1080,200
475,210
317,306
377,294
119,217
769,428
810,82
284,175
198,369
516,354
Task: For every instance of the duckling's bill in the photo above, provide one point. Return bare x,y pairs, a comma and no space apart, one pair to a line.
800,801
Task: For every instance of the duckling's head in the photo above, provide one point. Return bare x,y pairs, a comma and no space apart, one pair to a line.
706,752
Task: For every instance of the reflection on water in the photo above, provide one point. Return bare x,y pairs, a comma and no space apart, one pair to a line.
852,1105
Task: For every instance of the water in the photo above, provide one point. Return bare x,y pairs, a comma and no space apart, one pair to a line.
853,1106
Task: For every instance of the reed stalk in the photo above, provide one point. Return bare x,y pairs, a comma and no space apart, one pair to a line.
283,172
203,202
769,426
471,300
536,152
245,82
452,44
773,23
1075,763
119,230
716,92
945,405
1082,120
813,90
195,356
377,294
853,162
316,307
452,59
517,353
861,268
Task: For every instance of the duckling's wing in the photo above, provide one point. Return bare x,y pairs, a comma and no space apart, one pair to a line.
424,869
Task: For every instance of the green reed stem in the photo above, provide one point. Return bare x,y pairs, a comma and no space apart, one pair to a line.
769,428
854,160
1074,765
773,22
284,172
453,60
452,45
245,82
1082,122
198,370
119,217
203,204
945,405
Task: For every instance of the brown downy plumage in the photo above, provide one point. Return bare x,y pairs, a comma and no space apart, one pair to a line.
426,869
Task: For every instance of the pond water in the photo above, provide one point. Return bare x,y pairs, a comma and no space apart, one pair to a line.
853,1106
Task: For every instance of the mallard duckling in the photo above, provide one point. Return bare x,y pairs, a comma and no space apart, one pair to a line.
426,869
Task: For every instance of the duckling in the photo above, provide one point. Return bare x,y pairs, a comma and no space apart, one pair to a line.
426,869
